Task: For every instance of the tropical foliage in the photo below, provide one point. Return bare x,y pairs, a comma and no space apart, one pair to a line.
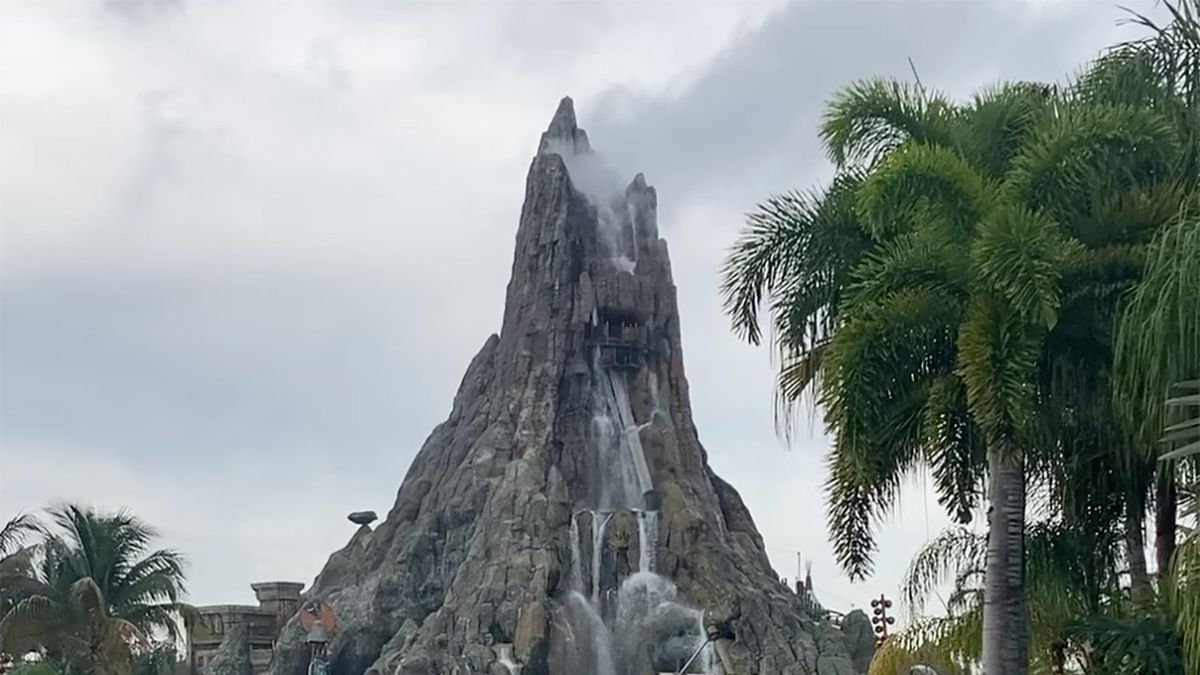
1001,290
16,559
93,597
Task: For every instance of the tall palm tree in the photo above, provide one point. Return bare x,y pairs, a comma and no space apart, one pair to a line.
997,232
100,592
1161,72
1159,344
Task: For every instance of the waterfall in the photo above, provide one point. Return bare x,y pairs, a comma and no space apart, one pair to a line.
648,629
653,630
506,660
706,662
613,234
600,654
630,457
576,562
599,528
608,460
647,540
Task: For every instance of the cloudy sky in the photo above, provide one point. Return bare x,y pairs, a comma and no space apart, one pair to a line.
249,247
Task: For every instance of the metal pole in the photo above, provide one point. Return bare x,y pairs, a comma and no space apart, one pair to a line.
695,654
880,618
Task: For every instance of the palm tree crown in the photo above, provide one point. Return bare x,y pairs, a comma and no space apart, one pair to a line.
99,593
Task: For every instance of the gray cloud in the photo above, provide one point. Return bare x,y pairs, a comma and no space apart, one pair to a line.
748,122
249,248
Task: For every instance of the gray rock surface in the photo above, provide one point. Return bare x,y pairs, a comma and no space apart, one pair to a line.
233,656
476,552
362,517
860,639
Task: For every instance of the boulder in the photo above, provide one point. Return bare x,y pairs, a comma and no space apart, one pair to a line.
362,517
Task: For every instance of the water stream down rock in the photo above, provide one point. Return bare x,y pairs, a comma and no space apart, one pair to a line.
564,520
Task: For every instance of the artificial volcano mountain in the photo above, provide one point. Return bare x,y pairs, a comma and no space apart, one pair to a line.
564,520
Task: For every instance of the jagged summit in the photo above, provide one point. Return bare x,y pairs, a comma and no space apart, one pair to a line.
564,519
563,123
564,136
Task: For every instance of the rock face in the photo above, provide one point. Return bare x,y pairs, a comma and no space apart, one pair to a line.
860,639
233,656
564,519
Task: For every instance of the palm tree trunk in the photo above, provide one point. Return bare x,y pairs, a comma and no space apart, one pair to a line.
1166,510
1135,554
1005,633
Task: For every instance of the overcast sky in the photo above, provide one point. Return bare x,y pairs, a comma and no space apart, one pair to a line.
250,247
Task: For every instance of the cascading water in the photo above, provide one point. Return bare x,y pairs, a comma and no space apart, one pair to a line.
654,631
647,628
647,540
576,561
506,659
597,651
599,527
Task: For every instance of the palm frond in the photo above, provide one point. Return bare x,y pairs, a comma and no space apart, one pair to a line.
1090,151
870,118
1143,645
1183,594
876,373
909,261
998,355
795,250
1001,119
1160,71
931,185
954,554
1185,434
954,447
1019,256
156,578
1159,328
15,531
948,645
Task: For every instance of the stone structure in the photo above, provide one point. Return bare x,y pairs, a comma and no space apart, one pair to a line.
240,639
564,520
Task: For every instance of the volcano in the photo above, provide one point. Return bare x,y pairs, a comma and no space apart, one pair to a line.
564,520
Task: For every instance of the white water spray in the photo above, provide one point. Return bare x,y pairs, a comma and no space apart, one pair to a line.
576,563
646,621
599,645
506,660
647,540
599,529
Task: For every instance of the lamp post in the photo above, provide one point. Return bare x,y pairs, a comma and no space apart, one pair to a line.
318,640
879,608
318,621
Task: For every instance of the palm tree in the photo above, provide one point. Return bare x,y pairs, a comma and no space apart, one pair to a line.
1159,344
1161,72
998,233
100,592
1070,572
16,559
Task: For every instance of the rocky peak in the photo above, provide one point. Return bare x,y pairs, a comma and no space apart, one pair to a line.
564,136
563,518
